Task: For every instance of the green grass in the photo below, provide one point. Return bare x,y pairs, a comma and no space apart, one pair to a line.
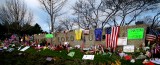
32,56
78,56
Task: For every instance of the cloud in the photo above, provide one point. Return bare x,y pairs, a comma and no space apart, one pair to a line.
32,3
40,16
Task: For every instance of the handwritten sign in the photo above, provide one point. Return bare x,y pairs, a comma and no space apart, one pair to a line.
122,41
128,48
49,35
135,33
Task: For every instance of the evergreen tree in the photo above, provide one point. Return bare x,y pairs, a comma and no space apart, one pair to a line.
36,29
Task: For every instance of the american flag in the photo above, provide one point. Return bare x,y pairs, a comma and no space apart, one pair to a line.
150,36
112,36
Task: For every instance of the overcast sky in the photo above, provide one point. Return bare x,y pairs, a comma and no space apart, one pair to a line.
40,15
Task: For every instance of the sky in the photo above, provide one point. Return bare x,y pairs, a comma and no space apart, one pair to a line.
40,16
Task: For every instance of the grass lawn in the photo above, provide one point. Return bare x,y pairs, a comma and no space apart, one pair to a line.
36,57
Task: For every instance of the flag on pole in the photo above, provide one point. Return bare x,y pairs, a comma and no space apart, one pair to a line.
112,36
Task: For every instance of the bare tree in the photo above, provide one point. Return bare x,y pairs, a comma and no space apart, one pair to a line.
15,16
120,10
110,12
96,13
131,9
152,21
52,7
59,28
67,24
156,21
88,13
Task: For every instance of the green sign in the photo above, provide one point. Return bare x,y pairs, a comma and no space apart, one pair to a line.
135,33
49,35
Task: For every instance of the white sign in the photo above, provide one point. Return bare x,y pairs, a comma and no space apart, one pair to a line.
128,48
25,48
77,46
86,32
122,41
86,48
65,43
88,57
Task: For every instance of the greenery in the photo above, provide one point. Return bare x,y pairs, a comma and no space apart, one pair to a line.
38,57
7,32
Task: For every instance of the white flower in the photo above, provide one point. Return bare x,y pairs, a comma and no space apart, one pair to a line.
132,61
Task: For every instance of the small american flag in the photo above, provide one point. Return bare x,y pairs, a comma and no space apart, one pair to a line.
150,36
112,36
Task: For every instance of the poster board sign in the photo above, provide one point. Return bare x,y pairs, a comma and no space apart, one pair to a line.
88,57
49,35
135,33
128,48
122,41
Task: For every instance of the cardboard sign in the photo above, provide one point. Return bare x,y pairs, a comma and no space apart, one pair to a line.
49,35
135,33
122,41
128,48
88,57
